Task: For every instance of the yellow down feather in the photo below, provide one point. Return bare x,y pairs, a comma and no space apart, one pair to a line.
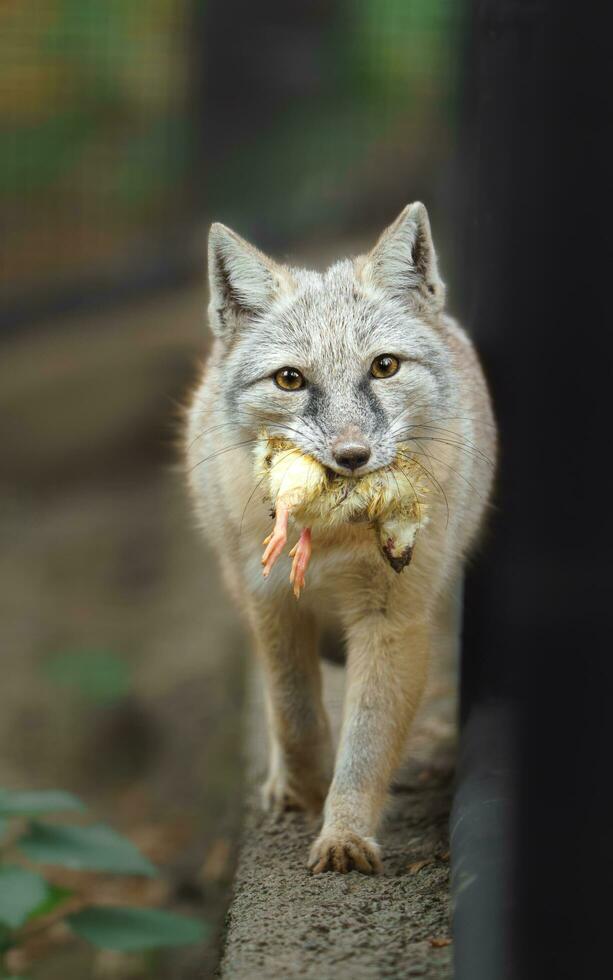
392,499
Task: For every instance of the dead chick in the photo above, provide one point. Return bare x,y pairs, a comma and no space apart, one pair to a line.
299,486
294,480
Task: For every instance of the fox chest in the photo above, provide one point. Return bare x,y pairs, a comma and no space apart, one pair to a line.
340,560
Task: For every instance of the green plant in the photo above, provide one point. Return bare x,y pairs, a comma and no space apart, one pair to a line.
29,902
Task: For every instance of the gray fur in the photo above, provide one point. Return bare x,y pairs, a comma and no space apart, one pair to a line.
331,326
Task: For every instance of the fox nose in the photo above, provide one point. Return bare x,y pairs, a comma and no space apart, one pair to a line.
350,449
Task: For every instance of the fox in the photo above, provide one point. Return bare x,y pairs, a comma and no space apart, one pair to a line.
355,367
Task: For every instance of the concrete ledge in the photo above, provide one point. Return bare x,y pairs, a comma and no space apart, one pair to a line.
285,923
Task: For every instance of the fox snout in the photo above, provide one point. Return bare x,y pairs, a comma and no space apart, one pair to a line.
350,449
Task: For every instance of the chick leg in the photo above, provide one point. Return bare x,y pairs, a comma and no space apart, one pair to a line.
397,539
301,553
275,542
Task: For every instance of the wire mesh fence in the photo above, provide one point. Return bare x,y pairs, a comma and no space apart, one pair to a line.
124,123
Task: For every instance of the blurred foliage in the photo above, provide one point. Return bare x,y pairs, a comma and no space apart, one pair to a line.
108,144
89,84
94,675
24,803
31,903
375,122
96,134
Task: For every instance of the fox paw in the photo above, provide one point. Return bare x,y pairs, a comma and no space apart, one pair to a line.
278,799
278,796
345,851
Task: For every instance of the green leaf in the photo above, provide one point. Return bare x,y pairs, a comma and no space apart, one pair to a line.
6,940
26,803
55,897
3,826
21,891
131,930
96,675
95,848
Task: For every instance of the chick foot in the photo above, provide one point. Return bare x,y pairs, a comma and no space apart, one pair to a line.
276,540
301,553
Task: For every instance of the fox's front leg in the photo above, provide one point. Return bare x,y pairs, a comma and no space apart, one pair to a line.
300,745
386,675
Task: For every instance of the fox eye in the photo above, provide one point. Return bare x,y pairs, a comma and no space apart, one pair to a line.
290,379
384,366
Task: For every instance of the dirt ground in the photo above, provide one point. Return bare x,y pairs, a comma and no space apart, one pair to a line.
285,922
98,558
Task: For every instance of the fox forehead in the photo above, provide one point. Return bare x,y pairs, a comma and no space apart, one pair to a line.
332,322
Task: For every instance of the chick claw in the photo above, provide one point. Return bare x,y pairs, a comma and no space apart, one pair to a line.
301,553
275,542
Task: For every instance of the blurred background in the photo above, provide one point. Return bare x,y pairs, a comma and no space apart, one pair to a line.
126,128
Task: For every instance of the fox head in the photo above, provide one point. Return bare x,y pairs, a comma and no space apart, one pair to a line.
348,363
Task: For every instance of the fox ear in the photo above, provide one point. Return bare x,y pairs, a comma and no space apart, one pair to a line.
404,261
242,280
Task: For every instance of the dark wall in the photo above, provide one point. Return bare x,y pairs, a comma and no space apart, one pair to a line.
535,229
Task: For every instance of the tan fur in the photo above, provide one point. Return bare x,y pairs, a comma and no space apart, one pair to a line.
389,620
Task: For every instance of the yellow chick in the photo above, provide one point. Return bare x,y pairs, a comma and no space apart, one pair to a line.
299,486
